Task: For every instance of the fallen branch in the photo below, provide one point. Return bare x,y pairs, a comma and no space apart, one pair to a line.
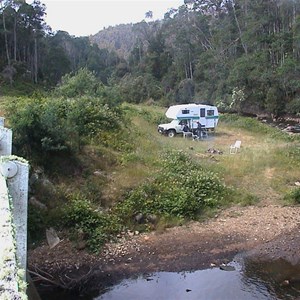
41,277
65,282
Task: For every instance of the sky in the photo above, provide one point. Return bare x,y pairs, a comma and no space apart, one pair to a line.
83,18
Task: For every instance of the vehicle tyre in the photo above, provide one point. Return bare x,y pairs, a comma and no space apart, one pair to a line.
171,133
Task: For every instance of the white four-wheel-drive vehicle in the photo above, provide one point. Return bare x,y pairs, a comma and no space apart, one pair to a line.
190,115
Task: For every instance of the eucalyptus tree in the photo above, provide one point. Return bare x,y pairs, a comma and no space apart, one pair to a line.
10,18
4,8
13,7
157,59
149,14
23,28
143,33
34,21
55,62
181,41
102,62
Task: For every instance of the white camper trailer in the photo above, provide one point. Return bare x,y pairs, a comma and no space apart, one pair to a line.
189,114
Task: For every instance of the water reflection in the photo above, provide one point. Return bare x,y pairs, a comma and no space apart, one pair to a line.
282,278
207,284
244,279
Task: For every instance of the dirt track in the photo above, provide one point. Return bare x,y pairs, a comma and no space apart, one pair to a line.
268,231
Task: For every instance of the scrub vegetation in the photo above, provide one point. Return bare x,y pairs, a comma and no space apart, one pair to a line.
106,169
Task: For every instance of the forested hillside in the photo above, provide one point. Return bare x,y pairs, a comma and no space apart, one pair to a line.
120,38
241,55
84,112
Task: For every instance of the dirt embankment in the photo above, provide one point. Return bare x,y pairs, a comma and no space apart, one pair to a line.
268,231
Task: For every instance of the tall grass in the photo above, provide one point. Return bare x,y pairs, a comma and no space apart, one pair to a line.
264,170
177,178
254,127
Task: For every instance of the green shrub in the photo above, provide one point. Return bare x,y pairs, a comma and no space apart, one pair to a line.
88,116
181,189
83,82
293,196
44,127
38,126
138,89
97,227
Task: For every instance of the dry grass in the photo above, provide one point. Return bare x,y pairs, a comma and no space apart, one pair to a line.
260,168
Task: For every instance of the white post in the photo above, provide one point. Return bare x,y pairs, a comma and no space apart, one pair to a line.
8,263
16,174
5,139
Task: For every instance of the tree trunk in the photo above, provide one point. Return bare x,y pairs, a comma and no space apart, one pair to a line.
15,38
5,39
190,66
239,28
35,60
186,71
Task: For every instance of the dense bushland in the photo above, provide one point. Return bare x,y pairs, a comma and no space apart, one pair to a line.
61,124
91,146
241,55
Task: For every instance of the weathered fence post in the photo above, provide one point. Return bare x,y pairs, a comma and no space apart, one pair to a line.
14,173
9,275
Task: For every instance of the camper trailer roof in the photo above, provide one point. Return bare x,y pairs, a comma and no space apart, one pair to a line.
173,110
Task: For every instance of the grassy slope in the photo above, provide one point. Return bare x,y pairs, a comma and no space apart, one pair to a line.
262,167
266,167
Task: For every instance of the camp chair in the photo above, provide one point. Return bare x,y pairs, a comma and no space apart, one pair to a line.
204,133
196,137
235,147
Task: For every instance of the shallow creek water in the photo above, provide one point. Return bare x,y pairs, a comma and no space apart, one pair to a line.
239,282
243,279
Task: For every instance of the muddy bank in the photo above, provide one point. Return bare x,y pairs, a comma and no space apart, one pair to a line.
267,232
283,247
